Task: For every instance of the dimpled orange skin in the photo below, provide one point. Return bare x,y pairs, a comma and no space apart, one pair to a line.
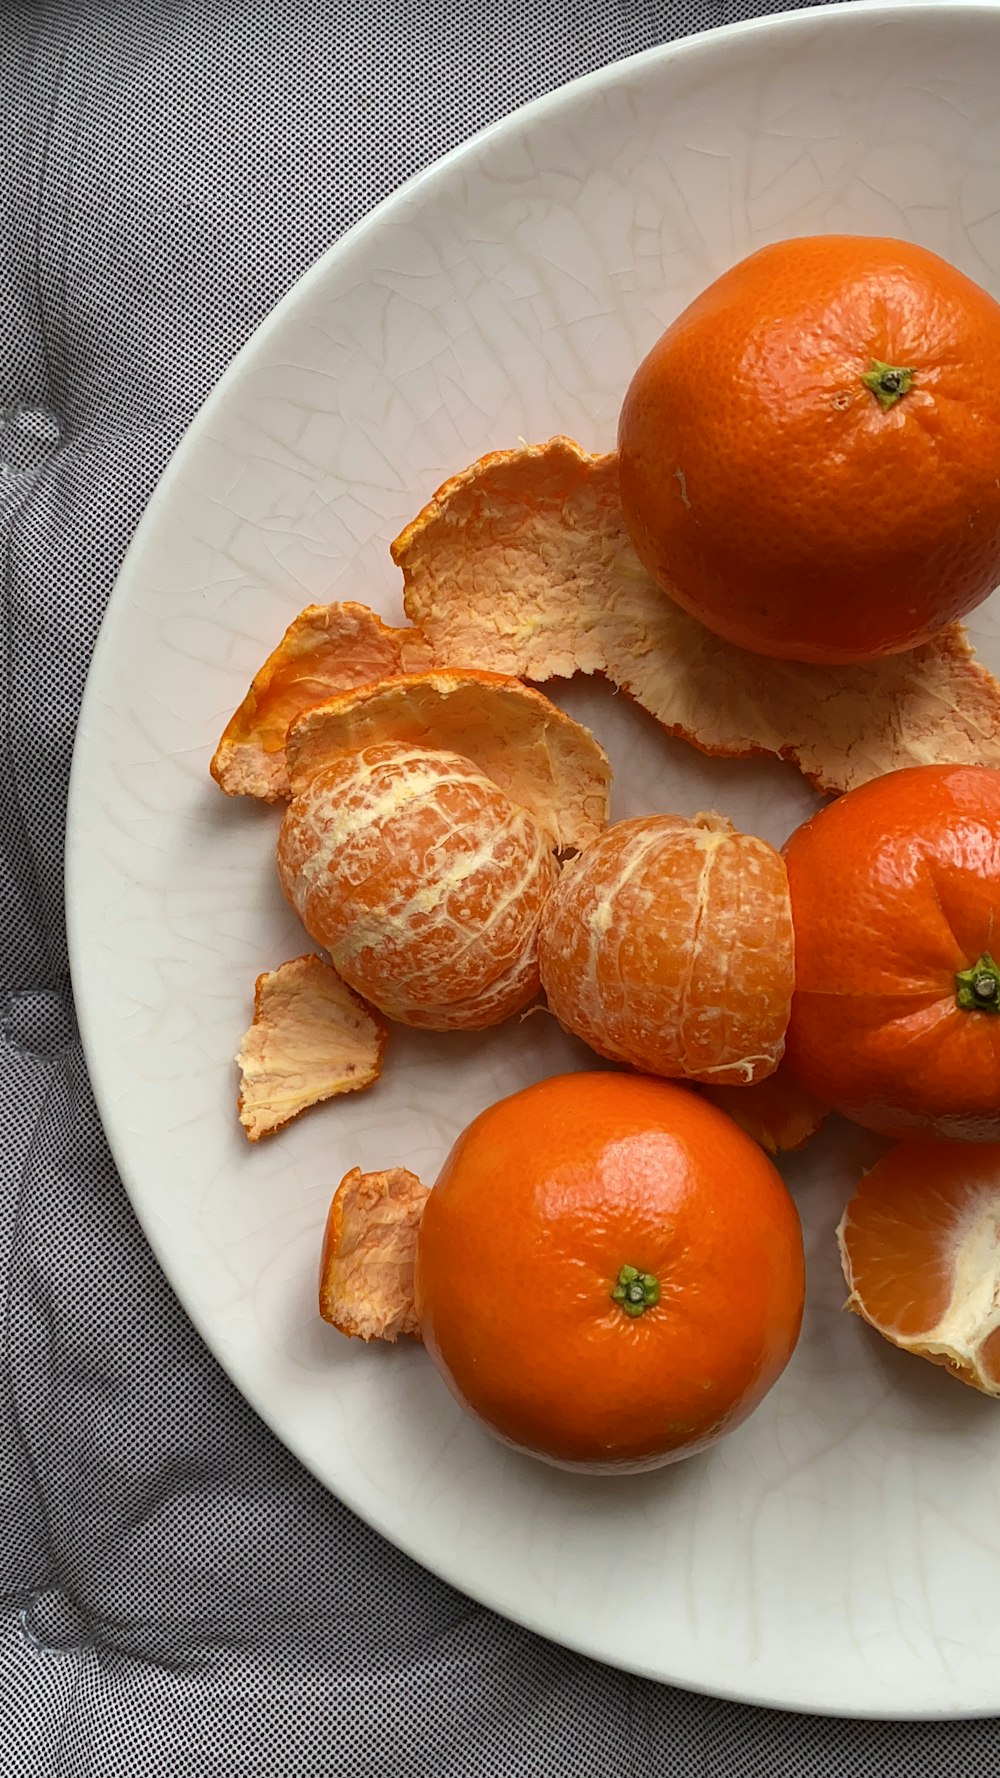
423,880
895,890
767,489
668,945
541,1202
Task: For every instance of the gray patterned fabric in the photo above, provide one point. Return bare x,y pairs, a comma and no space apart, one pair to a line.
175,1593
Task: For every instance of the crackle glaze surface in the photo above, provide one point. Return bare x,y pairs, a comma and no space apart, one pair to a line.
840,1552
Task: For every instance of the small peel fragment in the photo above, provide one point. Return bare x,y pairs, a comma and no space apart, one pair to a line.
312,1038
545,761
369,1251
522,565
328,648
777,1112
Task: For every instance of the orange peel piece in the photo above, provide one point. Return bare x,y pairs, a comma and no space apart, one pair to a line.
369,1252
545,761
522,565
777,1112
328,648
312,1038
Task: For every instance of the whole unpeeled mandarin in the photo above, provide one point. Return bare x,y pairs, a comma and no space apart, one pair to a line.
896,1014
609,1273
808,454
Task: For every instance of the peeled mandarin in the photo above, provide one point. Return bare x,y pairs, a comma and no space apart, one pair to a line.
423,880
668,945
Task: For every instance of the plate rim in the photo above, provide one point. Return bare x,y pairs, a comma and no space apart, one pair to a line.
540,109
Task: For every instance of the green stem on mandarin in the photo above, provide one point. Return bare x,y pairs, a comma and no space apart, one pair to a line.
977,989
887,382
636,1291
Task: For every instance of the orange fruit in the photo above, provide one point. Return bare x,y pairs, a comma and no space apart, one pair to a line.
609,1273
423,880
920,1247
896,1013
668,945
808,454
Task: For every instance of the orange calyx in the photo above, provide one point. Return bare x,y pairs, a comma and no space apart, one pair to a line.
887,382
977,989
635,1291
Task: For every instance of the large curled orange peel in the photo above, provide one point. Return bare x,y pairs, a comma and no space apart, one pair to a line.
522,565
544,760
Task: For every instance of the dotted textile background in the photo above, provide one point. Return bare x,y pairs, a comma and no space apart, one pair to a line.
176,1595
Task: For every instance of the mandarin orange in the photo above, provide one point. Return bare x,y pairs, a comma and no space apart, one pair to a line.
808,454
668,945
423,880
609,1273
896,1014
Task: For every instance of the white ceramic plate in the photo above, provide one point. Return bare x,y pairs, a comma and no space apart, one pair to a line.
842,1551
